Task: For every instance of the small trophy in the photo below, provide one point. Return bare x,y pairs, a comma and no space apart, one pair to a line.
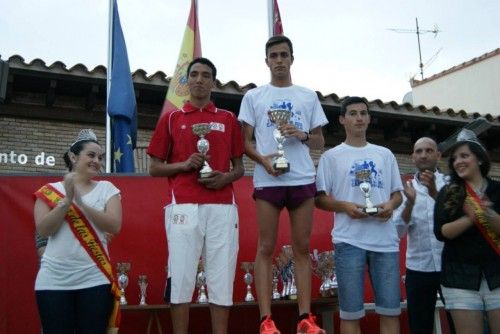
276,295
201,280
248,278
323,266
363,177
280,117
289,272
143,285
122,268
201,130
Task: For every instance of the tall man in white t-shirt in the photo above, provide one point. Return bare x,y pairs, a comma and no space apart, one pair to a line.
362,239
415,217
275,189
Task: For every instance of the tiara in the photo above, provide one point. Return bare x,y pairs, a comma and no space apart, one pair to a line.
85,135
469,136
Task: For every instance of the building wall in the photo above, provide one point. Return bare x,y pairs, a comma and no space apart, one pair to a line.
475,89
36,146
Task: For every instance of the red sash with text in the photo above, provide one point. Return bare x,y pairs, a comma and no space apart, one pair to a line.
481,222
84,232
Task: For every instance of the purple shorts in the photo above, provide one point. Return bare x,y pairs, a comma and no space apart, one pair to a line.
289,196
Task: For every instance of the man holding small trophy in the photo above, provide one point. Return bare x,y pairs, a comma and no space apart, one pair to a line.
361,183
199,148
286,120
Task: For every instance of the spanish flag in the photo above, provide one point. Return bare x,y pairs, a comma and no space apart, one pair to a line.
178,91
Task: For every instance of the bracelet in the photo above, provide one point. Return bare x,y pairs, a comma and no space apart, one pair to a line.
307,138
63,204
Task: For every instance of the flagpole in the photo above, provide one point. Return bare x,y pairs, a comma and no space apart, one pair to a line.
109,149
270,17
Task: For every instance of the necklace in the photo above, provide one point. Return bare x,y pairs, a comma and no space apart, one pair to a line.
482,188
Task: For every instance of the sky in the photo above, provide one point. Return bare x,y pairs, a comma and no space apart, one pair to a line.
343,47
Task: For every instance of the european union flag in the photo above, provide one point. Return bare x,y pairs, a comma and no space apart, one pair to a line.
122,106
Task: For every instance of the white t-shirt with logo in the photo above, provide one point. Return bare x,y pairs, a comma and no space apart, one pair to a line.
307,114
337,176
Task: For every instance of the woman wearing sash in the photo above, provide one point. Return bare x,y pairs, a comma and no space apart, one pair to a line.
75,289
466,218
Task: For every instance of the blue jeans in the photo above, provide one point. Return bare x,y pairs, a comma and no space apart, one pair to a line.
383,269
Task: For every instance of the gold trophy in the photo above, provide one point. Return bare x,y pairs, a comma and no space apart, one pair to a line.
280,117
201,130
363,176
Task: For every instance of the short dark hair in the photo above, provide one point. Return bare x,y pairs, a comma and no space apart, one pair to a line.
352,100
204,61
278,39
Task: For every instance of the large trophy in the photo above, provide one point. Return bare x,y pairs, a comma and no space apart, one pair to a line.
248,279
201,130
363,177
143,285
122,268
201,281
280,117
323,266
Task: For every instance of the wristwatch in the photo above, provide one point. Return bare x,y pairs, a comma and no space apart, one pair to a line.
307,137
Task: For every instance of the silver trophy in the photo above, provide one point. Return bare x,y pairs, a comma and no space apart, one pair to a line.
248,278
276,295
143,285
286,258
363,176
201,130
323,266
123,268
201,281
280,117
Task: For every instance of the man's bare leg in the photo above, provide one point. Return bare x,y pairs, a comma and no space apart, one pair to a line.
268,221
301,224
220,317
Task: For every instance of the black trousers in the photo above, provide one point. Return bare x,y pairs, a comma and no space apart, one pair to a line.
84,311
421,293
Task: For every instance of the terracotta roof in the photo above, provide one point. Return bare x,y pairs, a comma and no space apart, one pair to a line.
159,78
456,68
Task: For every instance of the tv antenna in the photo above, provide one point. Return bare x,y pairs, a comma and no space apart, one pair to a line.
419,31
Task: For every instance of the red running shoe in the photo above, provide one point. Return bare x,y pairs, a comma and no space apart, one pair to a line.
268,327
308,326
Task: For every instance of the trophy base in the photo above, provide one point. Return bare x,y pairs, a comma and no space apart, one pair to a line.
370,211
204,175
282,166
292,297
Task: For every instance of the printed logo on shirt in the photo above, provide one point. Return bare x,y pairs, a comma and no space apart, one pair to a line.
214,126
179,219
375,178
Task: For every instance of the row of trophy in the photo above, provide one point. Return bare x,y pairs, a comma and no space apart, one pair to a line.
323,266
123,268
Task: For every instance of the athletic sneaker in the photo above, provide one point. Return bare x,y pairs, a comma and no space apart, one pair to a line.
308,326
268,327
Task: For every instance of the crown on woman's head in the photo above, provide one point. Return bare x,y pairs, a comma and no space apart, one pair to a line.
466,135
85,135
